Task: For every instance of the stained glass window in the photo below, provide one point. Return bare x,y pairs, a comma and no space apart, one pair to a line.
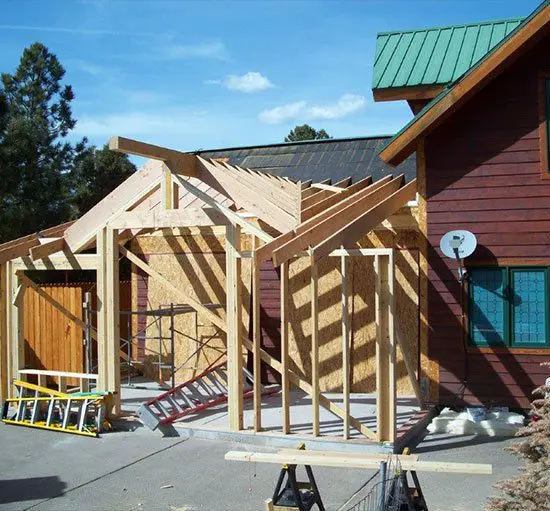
487,306
508,306
529,306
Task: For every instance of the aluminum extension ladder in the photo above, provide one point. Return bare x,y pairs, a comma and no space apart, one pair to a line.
204,391
44,408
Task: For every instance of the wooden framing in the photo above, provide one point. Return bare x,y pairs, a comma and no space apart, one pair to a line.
234,327
315,220
345,344
385,349
47,249
314,290
256,340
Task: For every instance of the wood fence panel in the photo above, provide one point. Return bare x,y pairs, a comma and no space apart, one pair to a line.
52,341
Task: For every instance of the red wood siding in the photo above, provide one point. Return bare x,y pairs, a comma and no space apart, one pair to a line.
483,174
270,319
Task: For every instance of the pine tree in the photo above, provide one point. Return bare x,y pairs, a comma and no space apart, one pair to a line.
96,173
34,153
531,490
306,132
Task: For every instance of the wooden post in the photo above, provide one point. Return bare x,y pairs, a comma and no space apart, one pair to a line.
315,347
17,338
385,349
112,315
4,375
345,346
256,338
234,327
169,190
285,382
102,374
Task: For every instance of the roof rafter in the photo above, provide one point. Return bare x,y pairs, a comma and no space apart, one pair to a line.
231,215
309,237
243,196
335,199
366,222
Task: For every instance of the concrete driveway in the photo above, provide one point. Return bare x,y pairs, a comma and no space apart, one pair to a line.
41,470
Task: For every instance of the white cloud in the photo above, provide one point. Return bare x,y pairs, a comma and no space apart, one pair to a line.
282,113
345,105
249,82
76,31
210,50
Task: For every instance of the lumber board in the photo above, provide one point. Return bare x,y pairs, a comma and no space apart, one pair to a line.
4,376
314,300
346,366
234,327
58,262
285,359
186,161
386,409
335,199
80,234
320,231
256,339
266,251
47,249
162,219
266,357
318,460
380,456
112,316
244,196
231,215
366,222
274,191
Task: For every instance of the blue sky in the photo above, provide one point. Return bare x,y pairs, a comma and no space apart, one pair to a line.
211,74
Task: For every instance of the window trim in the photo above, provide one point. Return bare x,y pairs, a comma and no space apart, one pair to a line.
508,342
544,124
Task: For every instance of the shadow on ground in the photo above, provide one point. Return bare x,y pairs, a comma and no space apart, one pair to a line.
32,488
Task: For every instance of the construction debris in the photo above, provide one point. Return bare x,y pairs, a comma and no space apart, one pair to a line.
495,422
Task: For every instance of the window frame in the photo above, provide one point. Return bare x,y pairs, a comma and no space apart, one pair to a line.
509,341
544,123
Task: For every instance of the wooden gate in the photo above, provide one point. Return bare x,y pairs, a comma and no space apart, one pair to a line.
53,341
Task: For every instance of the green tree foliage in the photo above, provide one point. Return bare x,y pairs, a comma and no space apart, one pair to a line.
96,172
530,491
306,132
44,179
35,156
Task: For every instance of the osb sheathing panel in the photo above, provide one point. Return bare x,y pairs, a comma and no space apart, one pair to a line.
198,268
362,309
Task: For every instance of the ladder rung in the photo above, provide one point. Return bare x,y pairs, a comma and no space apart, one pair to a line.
195,392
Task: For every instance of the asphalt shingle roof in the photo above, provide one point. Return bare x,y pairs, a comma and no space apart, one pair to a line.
334,159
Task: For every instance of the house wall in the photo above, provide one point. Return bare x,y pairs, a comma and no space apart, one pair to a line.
483,174
199,267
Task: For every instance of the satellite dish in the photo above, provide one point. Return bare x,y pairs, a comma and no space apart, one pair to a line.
458,245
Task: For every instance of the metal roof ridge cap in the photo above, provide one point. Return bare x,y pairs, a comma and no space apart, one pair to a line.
444,27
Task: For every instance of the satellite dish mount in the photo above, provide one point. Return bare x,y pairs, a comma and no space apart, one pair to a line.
458,245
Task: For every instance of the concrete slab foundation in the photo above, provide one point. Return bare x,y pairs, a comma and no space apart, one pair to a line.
213,423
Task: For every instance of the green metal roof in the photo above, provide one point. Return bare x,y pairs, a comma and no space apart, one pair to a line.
434,56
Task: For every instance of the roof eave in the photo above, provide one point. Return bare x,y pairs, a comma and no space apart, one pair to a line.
404,143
